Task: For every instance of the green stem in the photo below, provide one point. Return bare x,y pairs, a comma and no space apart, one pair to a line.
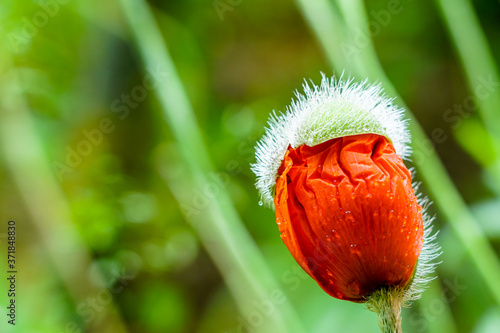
432,171
386,303
218,224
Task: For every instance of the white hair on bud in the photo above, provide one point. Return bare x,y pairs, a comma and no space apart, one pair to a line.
335,108
426,264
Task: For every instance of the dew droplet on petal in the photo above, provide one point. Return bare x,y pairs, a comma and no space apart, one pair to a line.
354,287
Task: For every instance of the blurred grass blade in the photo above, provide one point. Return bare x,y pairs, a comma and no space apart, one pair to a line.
45,201
323,20
432,171
444,322
478,63
218,225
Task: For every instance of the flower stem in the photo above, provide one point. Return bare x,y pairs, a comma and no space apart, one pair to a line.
386,302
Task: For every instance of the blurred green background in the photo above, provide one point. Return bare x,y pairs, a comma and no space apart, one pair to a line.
127,129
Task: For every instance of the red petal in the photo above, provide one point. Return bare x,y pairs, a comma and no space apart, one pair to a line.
349,216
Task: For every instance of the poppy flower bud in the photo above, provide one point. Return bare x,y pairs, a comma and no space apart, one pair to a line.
332,167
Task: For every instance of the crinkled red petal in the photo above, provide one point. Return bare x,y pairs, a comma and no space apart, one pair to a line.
348,214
